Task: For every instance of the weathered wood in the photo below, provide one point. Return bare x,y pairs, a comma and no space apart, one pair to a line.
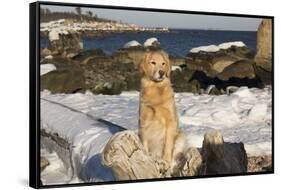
43,163
128,159
193,164
126,156
222,157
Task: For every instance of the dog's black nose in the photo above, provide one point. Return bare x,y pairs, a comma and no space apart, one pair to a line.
161,73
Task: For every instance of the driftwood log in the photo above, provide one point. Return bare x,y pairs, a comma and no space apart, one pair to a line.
126,156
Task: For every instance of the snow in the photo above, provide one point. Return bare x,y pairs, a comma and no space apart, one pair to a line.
227,45
216,48
49,57
54,35
55,167
243,116
150,41
175,67
210,48
46,68
209,89
133,43
86,135
68,25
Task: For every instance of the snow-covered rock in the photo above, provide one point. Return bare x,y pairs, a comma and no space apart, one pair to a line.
93,26
45,68
216,48
54,35
48,57
209,89
133,43
210,48
227,45
175,67
150,42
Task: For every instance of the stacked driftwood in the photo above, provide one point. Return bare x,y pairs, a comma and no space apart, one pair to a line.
125,155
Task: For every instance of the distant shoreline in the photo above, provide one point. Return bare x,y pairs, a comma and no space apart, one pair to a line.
92,28
104,33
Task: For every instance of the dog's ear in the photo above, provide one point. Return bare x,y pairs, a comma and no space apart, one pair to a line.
142,63
168,63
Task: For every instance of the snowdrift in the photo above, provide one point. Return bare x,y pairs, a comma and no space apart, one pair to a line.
86,122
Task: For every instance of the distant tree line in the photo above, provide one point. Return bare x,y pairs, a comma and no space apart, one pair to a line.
46,15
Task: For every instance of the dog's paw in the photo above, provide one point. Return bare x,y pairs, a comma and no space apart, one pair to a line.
164,167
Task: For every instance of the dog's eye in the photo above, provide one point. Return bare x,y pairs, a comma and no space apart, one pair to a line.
163,63
152,62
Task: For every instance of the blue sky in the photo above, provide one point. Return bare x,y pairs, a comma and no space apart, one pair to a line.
171,20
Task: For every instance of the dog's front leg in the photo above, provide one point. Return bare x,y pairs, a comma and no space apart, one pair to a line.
169,143
145,144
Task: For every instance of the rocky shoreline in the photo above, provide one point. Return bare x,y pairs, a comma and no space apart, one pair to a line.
93,28
209,69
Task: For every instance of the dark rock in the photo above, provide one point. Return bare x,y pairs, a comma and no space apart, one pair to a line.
199,65
205,81
66,43
176,60
265,76
240,69
67,78
130,55
84,56
103,75
182,81
213,63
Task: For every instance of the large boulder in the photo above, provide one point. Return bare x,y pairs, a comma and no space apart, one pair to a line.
84,56
176,61
67,78
263,57
182,81
107,76
221,85
214,59
66,43
130,44
132,54
230,63
152,42
240,69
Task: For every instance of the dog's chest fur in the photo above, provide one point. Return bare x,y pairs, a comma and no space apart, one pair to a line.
157,108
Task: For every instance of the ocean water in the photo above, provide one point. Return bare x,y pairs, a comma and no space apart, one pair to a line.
177,42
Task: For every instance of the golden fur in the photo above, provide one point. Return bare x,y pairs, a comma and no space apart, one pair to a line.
158,122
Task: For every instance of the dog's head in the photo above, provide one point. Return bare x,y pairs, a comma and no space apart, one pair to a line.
155,66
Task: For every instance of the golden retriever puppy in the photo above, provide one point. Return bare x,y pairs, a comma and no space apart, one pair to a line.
158,121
